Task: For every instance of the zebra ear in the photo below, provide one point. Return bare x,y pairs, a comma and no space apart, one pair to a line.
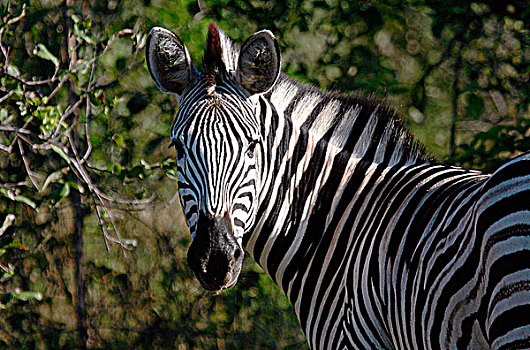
259,62
169,61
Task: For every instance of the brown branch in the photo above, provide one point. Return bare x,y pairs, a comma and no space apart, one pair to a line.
446,53
6,96
29,82
8,21
14,184
30,119
87,111
26,165
17,130
131,64
71,109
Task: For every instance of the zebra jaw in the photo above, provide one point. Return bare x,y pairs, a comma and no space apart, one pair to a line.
215,256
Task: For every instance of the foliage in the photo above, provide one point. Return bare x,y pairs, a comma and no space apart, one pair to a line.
92,240
461,65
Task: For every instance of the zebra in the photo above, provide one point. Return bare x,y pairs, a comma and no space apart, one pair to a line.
375,243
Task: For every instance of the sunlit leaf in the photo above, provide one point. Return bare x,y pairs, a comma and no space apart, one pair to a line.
16,245
65,191
43,52
28,295
119,140
60,152
53,177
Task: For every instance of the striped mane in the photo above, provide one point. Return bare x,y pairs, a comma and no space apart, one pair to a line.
332,116
339,119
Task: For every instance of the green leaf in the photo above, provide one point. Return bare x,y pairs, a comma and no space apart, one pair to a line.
6,276
16,245
76,186
5,9
116,169
141,194
81,34
28,295
65,191
17,197
43,52
10,218
119,140
53,177
61,153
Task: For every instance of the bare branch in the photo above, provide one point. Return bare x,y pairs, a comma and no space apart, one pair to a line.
66,114
6,96
17,130
9,22
30,82
131,64
87,119
26,165
14,184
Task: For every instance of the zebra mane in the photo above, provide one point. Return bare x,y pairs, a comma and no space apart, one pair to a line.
354,122
330,115
220,55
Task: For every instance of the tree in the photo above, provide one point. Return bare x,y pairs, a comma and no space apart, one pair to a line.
93,241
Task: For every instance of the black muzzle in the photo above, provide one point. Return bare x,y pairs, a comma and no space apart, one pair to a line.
215,255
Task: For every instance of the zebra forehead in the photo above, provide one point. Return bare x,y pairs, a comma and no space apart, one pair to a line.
227,105
216,120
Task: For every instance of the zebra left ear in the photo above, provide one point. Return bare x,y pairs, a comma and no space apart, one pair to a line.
169,61
259,62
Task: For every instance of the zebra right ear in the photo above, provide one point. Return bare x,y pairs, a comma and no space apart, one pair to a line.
169,61
259,62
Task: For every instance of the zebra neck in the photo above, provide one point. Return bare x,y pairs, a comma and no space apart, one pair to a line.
353,123
317,144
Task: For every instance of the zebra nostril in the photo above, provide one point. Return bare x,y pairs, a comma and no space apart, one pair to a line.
237,253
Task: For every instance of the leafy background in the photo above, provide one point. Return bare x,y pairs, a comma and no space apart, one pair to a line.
92,240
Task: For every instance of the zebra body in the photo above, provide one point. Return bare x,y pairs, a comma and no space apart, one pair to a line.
374,243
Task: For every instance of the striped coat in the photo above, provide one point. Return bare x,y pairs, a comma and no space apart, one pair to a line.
376,245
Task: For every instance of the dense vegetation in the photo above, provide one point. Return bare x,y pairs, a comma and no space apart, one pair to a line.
92,241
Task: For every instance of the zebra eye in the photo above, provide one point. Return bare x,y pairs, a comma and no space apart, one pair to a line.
251,148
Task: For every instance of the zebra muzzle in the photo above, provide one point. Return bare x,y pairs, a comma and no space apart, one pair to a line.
215,255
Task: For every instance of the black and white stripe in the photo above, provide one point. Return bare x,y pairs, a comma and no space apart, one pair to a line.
376,245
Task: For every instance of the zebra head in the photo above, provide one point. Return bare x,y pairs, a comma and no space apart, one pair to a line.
218,138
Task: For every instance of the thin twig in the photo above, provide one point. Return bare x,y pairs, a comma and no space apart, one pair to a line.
26,165
61,83
30,119
8,23
87,119
17,130
127,69
6,96
66,114
14,184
